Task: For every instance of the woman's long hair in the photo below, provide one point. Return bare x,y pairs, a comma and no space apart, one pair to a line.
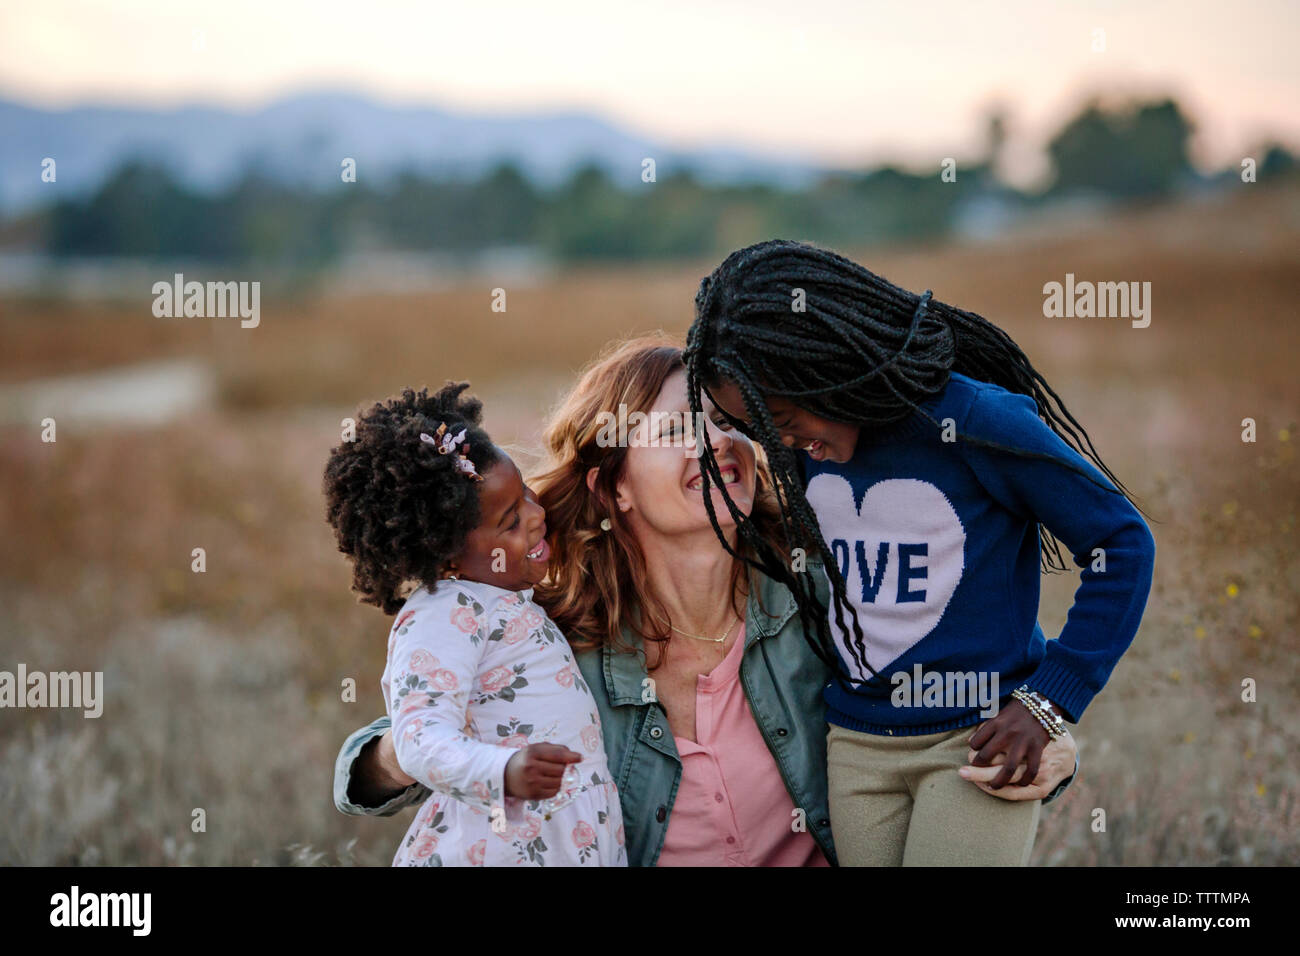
862,351
597,581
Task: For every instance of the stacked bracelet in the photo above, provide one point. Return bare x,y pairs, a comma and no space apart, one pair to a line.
1053,723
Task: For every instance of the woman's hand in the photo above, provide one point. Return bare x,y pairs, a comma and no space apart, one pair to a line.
1055,766
383,768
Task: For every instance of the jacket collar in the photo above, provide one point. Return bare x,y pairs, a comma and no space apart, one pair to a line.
625,673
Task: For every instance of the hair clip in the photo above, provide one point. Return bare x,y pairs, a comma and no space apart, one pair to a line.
467,466
450,442
446,444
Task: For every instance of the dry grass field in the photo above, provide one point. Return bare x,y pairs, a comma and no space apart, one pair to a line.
222,688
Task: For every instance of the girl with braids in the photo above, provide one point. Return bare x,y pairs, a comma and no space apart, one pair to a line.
487,709
934,468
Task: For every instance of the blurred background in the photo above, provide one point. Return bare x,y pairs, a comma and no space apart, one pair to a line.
381,170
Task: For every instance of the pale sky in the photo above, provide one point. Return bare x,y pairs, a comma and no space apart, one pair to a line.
848,83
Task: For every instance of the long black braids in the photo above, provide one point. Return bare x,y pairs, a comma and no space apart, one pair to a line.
794,512
859,350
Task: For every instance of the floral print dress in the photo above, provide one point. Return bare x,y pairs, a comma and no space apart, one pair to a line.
474,673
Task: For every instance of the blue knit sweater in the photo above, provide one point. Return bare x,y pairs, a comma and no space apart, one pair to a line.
938,545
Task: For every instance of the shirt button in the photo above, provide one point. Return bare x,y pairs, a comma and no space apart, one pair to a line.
656,733
781,732
717,797
731,839
661,814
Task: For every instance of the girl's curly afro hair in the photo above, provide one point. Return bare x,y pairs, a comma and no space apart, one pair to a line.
399,509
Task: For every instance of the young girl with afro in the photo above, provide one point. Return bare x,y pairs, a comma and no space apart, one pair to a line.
488,708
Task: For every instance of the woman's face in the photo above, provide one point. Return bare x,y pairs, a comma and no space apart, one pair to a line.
659,493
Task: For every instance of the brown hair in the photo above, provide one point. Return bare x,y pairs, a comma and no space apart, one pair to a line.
596,584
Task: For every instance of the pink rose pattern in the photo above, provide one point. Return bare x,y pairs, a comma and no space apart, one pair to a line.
454,826
444,680
530,828
515,631
502,682
465,620
421,845
496,678
588,843
584,835
422,662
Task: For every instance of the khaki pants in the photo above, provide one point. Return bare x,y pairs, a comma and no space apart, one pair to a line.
897,801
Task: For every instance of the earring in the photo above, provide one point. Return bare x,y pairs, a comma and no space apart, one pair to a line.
604,524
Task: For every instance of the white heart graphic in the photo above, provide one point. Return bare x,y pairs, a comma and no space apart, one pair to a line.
896,512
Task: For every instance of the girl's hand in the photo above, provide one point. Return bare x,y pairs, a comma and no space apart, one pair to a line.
1016,733
535,772
1056,765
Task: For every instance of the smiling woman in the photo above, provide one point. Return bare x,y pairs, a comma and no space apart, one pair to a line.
580,489
708,692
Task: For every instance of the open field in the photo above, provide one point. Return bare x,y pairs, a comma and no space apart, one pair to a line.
223,687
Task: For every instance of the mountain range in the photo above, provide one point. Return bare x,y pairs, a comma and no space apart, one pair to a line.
303,139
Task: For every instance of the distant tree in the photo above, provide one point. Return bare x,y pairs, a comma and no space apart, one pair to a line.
505,207
588,218
589,182
1278,161
138,211
1134,151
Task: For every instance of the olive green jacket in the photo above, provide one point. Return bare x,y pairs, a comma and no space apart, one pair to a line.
783,682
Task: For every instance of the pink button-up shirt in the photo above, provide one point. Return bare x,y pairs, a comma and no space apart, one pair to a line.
732,807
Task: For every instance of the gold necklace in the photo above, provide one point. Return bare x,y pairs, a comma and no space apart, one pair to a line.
701,637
